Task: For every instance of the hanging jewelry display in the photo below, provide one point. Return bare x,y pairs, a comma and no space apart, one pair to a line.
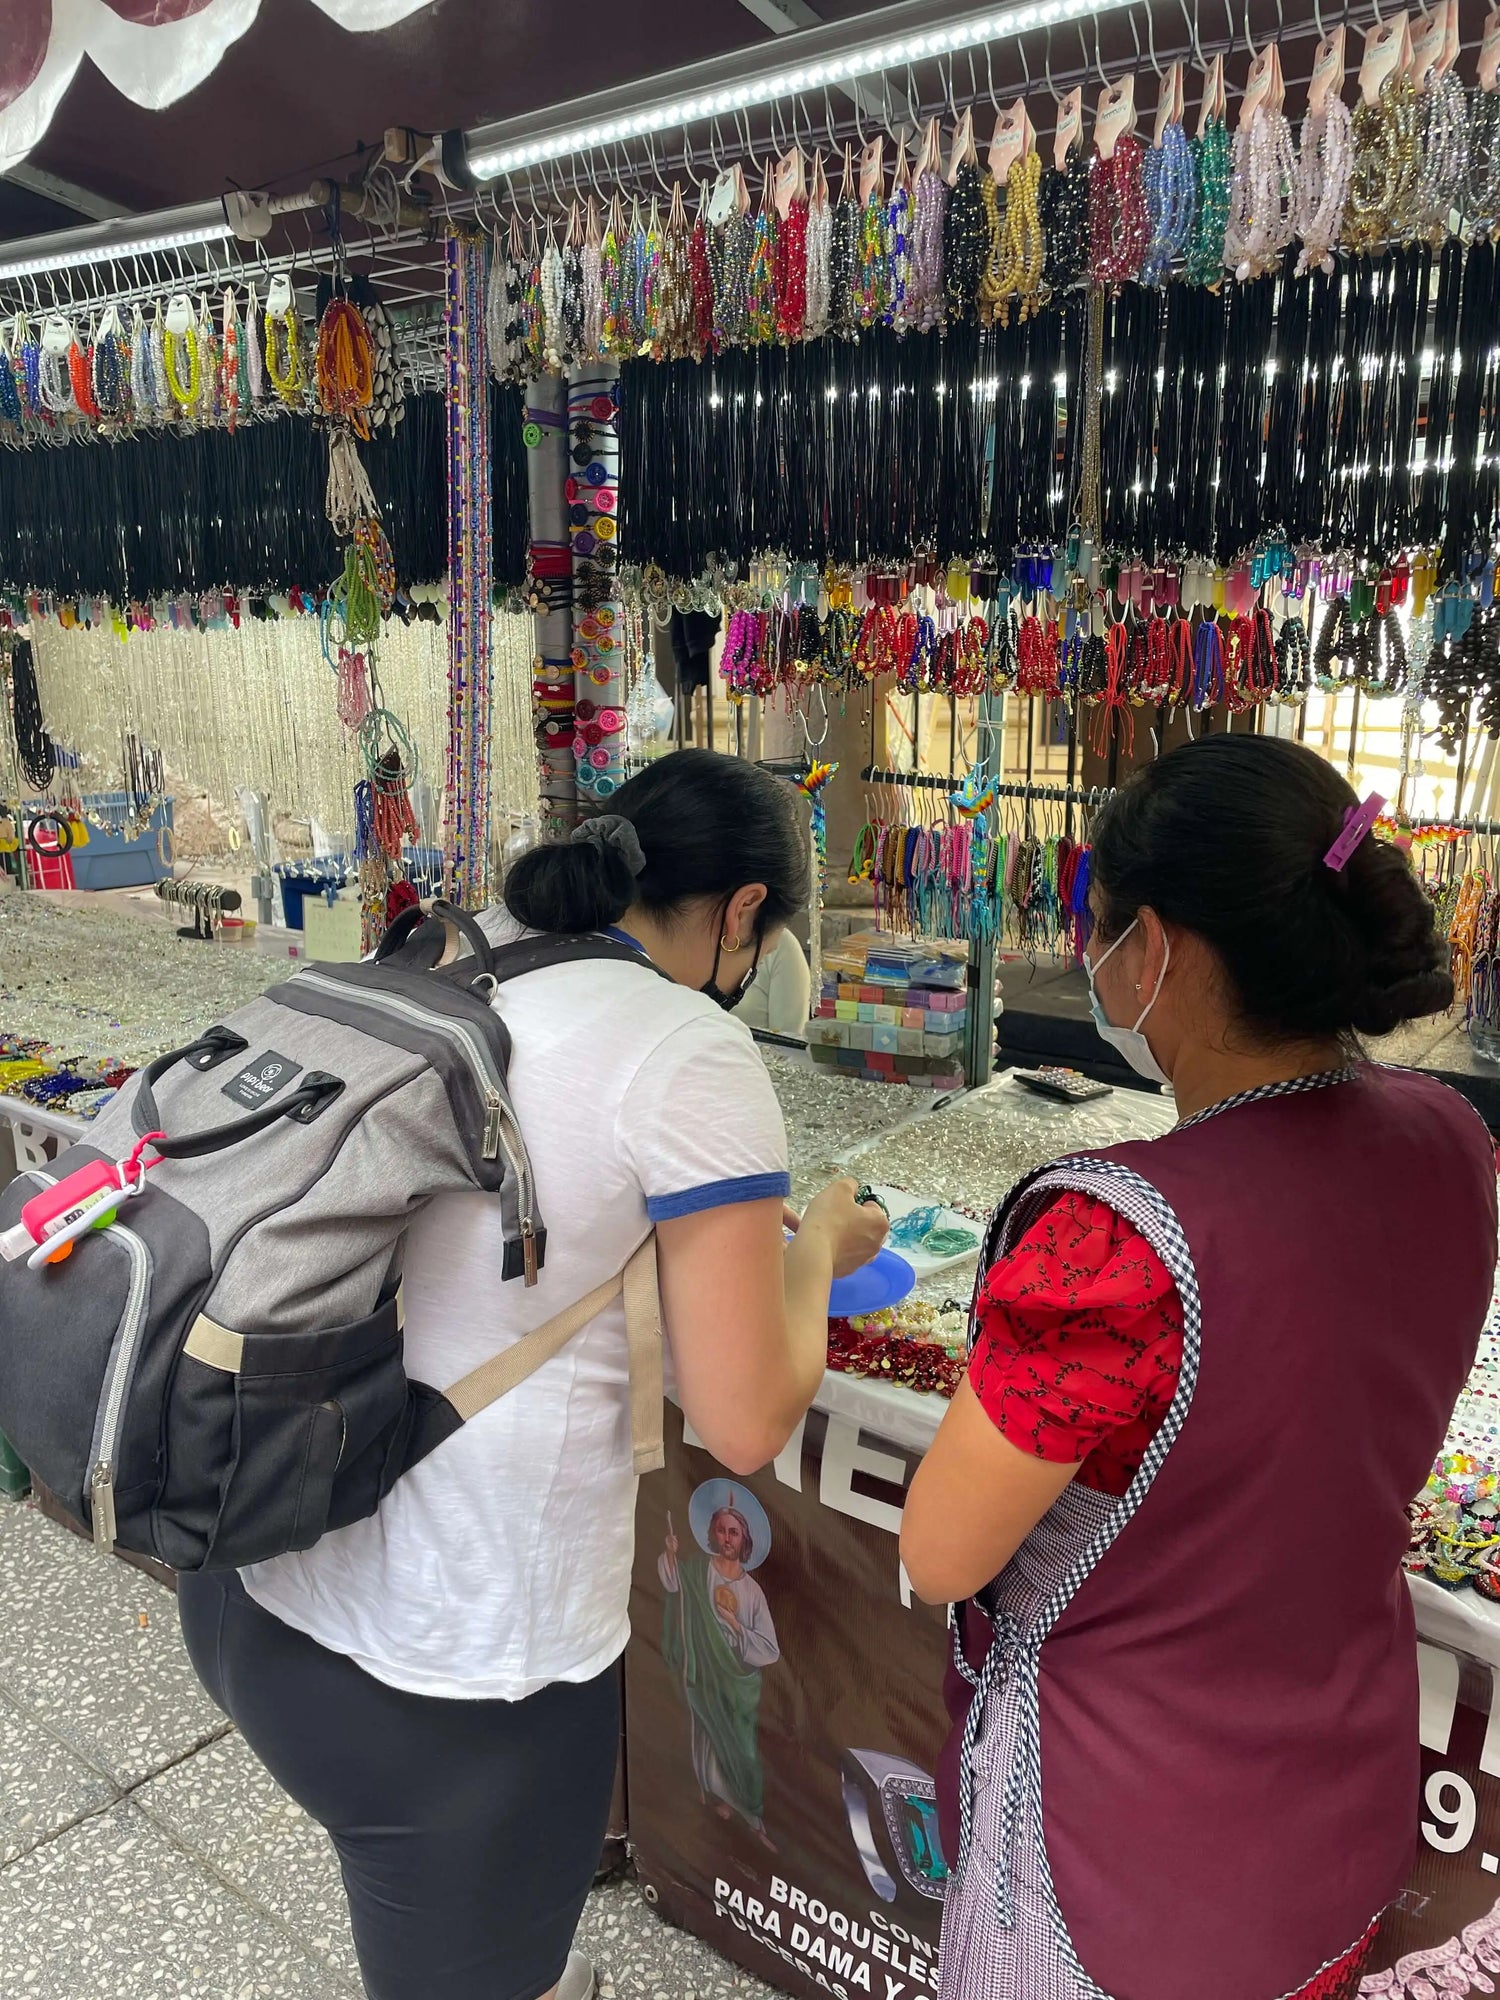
466,832
1205,264
345,366
925,303
760,283
818,308
285,362
600,691
966,227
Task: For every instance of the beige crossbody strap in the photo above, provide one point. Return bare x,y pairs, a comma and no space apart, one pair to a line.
494,1378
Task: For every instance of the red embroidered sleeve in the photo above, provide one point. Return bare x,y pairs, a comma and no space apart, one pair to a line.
1078,1343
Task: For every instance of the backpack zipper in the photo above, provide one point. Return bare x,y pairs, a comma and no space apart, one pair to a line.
112,1403
117,1384
500,1130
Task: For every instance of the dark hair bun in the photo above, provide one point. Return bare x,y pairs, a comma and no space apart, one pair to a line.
704,825
1226,837
569,886
1403,969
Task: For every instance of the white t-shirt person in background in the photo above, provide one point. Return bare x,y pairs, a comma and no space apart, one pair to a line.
498,1570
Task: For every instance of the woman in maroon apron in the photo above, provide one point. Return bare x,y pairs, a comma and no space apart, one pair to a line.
1207,1375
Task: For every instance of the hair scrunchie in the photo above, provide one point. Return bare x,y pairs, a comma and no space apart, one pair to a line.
614,830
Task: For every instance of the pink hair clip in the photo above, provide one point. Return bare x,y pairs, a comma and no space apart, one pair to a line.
1358,821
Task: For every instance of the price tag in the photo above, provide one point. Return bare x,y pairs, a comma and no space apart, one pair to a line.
724,199
278,296
872,171
1014,139
1212,105
964,149
791,181
1257,87
1489,52
1386,45
1169,105
1428,42
1115,116
1069,127
1328,71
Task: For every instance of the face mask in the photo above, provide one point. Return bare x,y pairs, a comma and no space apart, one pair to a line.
716,993
1130,1042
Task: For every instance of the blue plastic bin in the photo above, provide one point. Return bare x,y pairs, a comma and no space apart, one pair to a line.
110,861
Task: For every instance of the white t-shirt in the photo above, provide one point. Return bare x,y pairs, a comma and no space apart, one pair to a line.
502,1562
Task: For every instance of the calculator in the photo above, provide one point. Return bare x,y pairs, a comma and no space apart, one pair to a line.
1066,1085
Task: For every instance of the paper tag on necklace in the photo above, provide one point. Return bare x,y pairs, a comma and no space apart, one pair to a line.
1212,104
1428,44
1014,139
1328,71
722,201
279,295
1168,104
963,145
1257,87
872,171
57,335
1385,45
1489,52
1115,116
791,182
180,316
1069,127
1451,40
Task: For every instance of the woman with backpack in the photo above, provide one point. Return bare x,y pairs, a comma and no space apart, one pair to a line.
1207,1375
438,1684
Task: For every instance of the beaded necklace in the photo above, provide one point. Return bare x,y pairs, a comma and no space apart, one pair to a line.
1119,227
760,277
550,295
1016,273
1482,204
230,361
843,260
592,270
255,365
924,305
703,335
1445,153
1262,195
731,248
1325,160
110,368
11,411
897,257
1171,201
819,302
1386,169
284,360
871,290
570,344
1064,205
1205,264
966,240
54,381
674,304
792,272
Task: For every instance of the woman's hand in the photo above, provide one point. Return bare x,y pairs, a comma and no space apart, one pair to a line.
854,1230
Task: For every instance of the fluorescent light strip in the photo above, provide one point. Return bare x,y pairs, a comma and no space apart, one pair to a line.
789,83
109,253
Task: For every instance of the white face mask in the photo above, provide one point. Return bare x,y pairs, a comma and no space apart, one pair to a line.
1130,1042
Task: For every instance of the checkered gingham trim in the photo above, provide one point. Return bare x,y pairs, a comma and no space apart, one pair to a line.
1292,1087
1012,1665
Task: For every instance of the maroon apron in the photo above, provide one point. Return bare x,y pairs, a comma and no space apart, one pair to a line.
1185,1758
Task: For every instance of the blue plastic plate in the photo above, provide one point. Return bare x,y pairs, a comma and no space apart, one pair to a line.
884,1281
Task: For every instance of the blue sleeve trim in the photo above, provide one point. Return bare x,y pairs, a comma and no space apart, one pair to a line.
718,1194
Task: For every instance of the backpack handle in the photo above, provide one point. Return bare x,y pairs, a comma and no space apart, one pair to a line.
218,1045
410,922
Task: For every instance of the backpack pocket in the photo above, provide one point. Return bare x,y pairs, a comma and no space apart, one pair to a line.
282,1414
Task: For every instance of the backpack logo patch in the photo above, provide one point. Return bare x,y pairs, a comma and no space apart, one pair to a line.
258,1082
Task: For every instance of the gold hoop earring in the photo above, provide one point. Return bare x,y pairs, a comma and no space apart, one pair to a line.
729,944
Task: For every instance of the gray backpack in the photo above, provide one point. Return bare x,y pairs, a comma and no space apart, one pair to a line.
217,1377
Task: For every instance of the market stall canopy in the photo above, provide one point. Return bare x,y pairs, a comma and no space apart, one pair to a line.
152,51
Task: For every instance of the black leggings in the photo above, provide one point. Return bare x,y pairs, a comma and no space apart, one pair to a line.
468,1831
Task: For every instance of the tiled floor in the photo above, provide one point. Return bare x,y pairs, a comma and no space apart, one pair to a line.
143,1851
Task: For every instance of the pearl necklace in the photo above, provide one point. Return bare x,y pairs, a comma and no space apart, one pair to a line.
1325,162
